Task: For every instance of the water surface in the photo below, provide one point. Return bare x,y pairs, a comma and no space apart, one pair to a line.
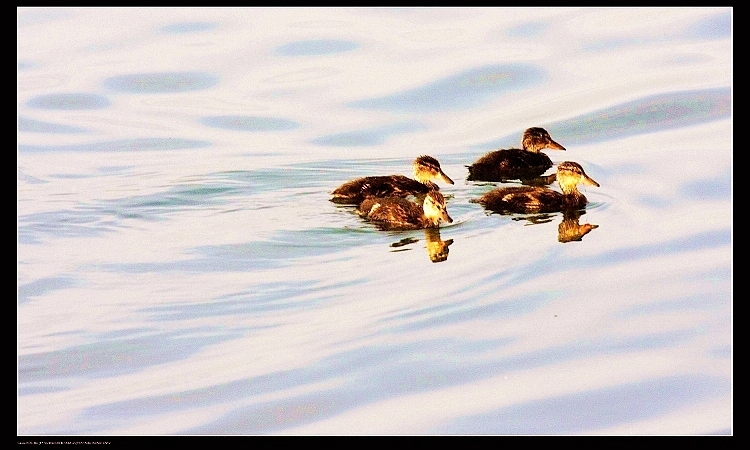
182,270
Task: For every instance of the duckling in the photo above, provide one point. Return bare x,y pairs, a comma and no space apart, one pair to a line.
511,164
424,169
396,213
534,199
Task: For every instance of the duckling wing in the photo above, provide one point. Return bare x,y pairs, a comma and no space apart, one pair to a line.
522,199
394,211
355,191
509,164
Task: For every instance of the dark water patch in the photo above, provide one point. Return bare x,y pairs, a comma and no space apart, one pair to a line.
718,26
69,101
44,286
291,177
249,123
33,228
316,47
161,82
368,137
175,198
594,409
124,145
103,216
462,91
646,115
37,126
107,216
115,357
187,27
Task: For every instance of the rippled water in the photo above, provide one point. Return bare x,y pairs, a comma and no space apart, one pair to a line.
181,269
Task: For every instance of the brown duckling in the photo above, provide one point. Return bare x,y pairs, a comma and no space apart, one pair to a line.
424,169
396,213
534,199
511,164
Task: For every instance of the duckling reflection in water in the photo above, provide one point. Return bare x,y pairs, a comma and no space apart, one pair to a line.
424,170
528,163
395,213
534,199
569,230
437,249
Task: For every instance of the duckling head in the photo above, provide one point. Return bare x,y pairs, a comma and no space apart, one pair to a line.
570,174
536,139
434,208
427,168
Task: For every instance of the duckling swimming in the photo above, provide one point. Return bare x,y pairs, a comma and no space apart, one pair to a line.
511,164
534,199
396,213
424,169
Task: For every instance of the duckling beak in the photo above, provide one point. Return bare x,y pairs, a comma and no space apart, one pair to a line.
585,179
446,217
554,145
441,175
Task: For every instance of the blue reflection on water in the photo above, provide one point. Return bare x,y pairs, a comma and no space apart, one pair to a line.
316,47
69,101
26,65
527,30
594,409
372,136
375,373
718,26
163,82
719,187
249,123
42,286
37,126
188,27
34,16
464,90
110,357
123,145
647,115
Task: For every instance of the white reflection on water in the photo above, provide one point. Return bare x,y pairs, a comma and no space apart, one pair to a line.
181,269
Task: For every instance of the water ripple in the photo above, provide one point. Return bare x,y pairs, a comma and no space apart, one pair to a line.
70,101
464,90
316,47
249,123
161,82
